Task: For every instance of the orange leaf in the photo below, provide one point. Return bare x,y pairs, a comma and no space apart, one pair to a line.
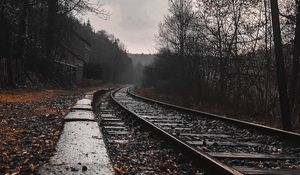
32,167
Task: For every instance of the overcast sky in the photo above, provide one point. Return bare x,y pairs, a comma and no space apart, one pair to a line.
134,22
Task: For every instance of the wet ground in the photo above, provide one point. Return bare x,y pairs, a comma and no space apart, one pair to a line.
30,125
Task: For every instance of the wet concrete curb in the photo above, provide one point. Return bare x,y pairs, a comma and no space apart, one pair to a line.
80,149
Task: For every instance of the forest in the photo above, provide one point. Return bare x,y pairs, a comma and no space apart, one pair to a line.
240,53
44,44
221,95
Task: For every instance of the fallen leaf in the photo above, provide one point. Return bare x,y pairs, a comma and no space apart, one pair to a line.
32,167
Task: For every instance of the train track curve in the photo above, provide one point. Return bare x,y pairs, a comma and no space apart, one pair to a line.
220,144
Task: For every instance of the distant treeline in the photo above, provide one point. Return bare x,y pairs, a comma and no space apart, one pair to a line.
108,58
222,52
42,41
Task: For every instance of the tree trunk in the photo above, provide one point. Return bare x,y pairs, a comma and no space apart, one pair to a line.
268,59
296,54
181,30
282,87
52,17
21,41
221,57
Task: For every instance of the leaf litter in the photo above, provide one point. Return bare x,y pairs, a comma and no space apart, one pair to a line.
30,125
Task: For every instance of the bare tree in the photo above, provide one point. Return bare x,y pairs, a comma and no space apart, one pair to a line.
52,27
282,86
296,54
176,28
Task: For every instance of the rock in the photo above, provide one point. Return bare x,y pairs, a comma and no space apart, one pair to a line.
84,168
74,169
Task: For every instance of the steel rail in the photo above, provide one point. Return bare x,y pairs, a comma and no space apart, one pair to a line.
198,157
281,134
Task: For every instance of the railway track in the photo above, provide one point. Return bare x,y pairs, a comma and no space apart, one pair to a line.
134,150
225,146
